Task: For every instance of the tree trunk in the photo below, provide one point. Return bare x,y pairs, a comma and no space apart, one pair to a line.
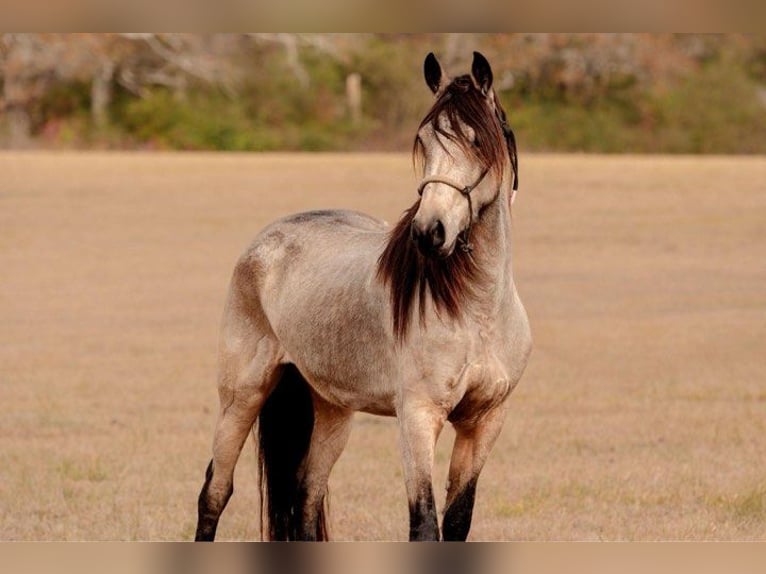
18,122
101,94
19,126
456,48
354,97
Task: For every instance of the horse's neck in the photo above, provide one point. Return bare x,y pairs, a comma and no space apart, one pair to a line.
495,257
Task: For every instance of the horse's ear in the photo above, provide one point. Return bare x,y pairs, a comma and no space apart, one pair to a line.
482,72
432,71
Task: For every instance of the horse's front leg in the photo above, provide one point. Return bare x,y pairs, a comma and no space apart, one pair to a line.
420,423
473,441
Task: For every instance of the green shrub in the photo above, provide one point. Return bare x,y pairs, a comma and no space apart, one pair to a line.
545,126
714,111
200,121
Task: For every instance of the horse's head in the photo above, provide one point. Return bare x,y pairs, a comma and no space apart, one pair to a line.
462,149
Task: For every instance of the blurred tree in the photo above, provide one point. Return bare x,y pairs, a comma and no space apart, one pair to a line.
28,66
32,63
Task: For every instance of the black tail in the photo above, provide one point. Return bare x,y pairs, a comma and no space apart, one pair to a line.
285,425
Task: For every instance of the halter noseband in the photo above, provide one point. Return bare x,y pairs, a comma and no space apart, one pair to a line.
466,192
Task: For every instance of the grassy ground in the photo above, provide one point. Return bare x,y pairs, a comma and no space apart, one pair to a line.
642,415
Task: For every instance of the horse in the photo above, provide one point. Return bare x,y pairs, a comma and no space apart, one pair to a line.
333,312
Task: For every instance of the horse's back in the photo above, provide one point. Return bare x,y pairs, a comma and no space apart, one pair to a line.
334,217
308,240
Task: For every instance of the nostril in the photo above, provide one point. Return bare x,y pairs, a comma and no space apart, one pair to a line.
437,235
429,237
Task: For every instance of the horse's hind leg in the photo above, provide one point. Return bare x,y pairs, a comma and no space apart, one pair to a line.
249,369
473,442
332,426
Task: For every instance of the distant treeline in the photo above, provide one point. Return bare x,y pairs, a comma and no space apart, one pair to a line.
659,93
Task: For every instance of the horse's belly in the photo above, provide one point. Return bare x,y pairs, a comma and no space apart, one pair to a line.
369,398
347,362
357,391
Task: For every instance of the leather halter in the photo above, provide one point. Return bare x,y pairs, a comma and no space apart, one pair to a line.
510,142
466,192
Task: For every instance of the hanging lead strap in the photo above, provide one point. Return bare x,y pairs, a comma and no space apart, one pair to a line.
510,142
465,235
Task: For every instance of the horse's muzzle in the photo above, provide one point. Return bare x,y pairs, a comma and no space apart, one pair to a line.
428,238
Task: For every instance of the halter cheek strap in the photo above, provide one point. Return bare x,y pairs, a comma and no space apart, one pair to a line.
466,192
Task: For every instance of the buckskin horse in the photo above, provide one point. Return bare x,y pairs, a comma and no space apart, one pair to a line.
333,312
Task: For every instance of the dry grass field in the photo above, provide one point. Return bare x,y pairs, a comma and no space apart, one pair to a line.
642,415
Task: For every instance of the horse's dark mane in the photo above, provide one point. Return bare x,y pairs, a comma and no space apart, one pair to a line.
410,276
450,281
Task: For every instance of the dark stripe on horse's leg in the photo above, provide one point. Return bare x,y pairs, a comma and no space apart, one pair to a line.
424,524
207,515
457,517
